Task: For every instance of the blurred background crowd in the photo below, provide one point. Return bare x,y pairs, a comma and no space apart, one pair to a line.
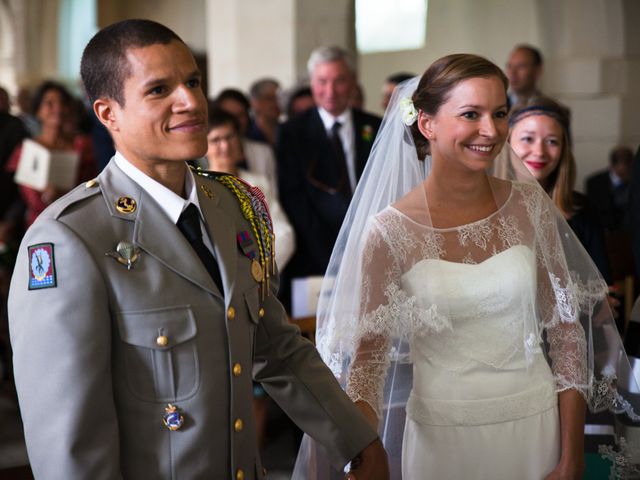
287,113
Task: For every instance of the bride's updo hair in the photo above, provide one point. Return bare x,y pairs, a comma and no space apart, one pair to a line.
440,78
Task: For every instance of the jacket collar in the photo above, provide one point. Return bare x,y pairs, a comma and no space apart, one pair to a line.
158,236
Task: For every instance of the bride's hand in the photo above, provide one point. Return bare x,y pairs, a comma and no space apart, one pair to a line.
566,471
370,464
368,412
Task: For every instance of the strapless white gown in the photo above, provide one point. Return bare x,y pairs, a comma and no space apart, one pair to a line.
477,410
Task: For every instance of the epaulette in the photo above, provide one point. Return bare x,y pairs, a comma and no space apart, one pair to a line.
78,194
256,211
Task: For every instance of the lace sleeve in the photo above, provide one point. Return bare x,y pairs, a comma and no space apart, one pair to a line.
560,305
370,362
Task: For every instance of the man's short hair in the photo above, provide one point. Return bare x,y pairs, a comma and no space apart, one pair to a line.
104,67
536,56
232,94
399,77
327,54
259,87
219,117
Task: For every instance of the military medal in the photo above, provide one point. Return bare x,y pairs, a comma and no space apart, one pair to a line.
172,418
126,253
246,244
256,271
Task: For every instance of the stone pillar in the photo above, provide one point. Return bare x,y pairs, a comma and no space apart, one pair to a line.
7,48
36,40
249,39
593,66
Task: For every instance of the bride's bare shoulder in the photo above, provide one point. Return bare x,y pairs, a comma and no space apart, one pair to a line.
501,188
413,205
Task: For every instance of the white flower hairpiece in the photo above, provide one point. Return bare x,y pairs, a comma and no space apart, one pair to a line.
408,111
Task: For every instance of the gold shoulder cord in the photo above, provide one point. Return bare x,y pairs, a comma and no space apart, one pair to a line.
255,211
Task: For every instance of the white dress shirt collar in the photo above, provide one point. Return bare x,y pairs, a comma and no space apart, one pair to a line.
170,203
328,120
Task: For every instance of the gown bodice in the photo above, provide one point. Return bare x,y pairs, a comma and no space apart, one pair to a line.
474,371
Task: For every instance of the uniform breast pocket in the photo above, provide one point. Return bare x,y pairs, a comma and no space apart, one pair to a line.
160,354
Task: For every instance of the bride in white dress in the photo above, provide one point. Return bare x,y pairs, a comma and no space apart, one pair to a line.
459,311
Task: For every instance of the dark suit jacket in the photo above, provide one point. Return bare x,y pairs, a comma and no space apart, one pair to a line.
600,193
587,227
634,209
12,132
310,180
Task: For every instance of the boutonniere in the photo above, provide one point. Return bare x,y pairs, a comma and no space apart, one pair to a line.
367,133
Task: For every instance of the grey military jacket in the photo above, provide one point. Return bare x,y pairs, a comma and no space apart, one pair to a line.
100,350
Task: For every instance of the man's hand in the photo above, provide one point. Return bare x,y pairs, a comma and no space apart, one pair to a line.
370,464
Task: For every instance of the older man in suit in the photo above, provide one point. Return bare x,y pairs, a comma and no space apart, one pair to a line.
143,302
321,155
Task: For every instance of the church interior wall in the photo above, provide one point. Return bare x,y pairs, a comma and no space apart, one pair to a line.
591,48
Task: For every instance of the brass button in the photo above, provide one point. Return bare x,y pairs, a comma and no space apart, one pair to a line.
237,425
231,313
237,370
91,183
162,341
239,474
261,312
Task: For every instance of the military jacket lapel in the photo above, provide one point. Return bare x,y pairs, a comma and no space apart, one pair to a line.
222,231
153,232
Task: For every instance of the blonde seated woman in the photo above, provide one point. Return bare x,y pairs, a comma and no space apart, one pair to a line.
225,154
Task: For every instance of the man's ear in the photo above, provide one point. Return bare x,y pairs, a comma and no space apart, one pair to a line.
425,125
104,110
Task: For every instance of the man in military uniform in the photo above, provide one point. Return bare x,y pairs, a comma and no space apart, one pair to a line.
136,332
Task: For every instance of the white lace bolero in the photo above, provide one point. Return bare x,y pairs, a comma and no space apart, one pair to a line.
562,300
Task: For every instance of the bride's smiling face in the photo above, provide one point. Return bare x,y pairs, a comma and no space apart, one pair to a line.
471,127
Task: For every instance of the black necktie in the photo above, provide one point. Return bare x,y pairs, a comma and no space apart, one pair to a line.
189,225
336,141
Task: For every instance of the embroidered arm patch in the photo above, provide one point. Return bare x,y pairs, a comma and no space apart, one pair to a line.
42,267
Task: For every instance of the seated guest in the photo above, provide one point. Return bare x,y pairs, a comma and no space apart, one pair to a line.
266,110
52,105
300,100
258,156
390,84
321,155
12,132
524,69
225,154
608,190
24,101
5,103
